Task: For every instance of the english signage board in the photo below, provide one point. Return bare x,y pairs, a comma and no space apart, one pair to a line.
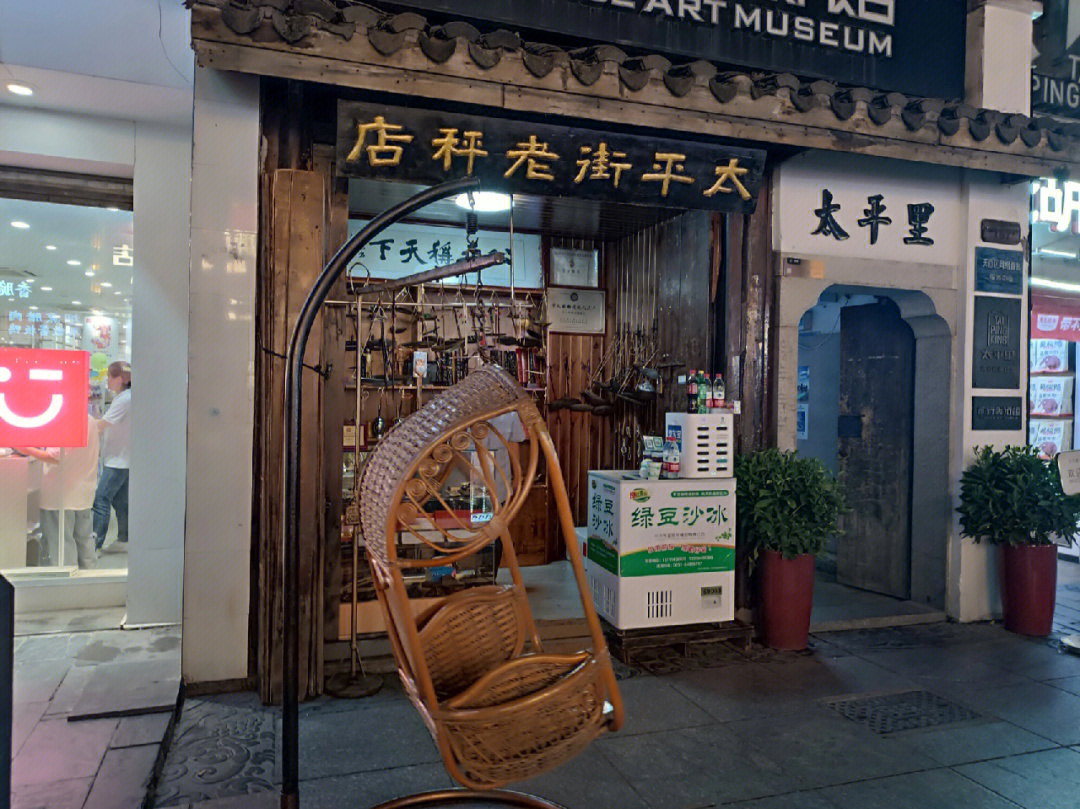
910,46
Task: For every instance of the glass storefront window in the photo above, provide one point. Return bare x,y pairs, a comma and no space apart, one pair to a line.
66,277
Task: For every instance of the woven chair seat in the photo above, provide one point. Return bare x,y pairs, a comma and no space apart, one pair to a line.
469,634
499,708
552,710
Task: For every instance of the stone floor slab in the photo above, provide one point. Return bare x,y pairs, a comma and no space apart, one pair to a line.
933,789
695,767
124,776
976,741
57,749
1044,780
144,729
66,794
128,688
816,750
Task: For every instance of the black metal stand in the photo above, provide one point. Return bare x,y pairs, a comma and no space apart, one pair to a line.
290,798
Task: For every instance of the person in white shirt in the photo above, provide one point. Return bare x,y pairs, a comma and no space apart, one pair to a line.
112,487
68,484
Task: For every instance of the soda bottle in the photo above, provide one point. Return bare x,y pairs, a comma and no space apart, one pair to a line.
719,391
704,386
691,392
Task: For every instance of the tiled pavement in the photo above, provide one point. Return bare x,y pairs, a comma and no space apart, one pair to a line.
91,709
923,716
911,717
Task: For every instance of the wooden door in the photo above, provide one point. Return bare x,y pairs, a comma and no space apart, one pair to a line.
877,359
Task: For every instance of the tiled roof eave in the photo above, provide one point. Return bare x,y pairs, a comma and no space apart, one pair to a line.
402,53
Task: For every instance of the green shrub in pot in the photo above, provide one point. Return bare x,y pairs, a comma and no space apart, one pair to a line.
1010,496
786,502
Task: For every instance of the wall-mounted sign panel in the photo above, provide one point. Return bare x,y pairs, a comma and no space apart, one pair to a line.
997,413
576,311
404,249
1000,271
996,343
912,46
858,207
400,143
1055,73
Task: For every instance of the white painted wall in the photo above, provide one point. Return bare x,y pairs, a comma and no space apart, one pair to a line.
159,372
224,221
945,273
972,587
157,156
999,55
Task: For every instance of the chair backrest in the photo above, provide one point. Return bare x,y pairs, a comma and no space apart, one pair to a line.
479,648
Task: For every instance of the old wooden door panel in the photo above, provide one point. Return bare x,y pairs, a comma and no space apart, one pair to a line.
875,447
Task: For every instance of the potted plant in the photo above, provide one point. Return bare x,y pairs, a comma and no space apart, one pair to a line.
1012,498
787,507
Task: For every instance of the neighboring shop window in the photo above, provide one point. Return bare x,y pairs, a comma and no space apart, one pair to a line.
66,286
1055,315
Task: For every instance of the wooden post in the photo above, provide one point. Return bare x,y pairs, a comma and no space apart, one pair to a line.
295,258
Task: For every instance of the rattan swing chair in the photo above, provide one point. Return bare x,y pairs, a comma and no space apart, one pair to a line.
499,708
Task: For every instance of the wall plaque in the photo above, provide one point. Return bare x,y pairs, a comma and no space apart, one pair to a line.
576,311
996,343
999,270
998,231
997,412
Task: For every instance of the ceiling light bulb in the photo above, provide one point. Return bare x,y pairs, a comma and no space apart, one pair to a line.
19,89
46,289
73,262
76,303
18,223
89,273
484,202
106,284
50,247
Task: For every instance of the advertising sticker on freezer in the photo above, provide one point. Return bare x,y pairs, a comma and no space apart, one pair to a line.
661,552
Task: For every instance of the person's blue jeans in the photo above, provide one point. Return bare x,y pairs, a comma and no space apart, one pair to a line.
112,492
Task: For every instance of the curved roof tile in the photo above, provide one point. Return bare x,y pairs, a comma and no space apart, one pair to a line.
388,33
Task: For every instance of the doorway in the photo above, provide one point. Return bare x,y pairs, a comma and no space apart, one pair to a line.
872,408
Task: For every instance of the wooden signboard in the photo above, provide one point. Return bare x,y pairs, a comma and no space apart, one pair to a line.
428,146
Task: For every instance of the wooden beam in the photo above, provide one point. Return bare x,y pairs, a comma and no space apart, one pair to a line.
327,58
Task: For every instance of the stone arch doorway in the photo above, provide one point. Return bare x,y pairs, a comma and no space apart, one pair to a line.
872,401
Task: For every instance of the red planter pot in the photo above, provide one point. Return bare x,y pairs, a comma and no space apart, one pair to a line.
787,594
1027,576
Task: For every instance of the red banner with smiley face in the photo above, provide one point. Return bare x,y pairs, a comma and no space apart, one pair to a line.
43,397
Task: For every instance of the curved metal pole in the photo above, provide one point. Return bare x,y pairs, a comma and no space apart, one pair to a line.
294,362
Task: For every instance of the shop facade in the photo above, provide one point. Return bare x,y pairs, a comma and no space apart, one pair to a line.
96,164
832,193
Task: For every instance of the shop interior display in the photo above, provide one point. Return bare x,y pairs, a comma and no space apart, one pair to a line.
405,348
1051,389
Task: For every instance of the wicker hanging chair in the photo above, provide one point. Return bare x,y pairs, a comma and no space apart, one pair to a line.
499,708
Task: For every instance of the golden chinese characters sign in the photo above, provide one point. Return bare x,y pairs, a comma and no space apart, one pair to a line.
423,146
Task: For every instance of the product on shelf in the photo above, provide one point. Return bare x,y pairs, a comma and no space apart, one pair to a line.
1050,436
1051,356
1051,395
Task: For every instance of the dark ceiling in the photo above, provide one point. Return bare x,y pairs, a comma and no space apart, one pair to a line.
557,216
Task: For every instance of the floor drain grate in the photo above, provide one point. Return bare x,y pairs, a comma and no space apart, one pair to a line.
892,713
